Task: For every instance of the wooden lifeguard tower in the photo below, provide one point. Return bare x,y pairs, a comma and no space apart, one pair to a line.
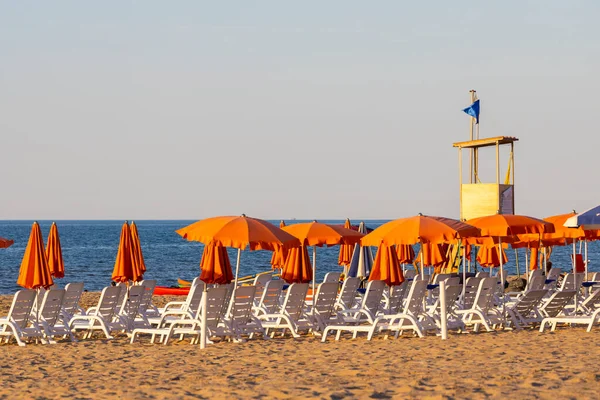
478,198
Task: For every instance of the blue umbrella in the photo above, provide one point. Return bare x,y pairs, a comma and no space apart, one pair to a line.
362,258
589,219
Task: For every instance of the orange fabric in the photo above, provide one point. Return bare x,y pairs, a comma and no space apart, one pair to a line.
579,264
56,265
346,250
297,268
534,259
419,229
137,256
561,231
386,266
502,225
487,256
534,241
280,254
4,243
434,255
215,266
34,272
318,234
239,232
124,269
469,252
406,253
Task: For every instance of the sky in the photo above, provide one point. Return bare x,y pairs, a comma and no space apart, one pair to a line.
313,109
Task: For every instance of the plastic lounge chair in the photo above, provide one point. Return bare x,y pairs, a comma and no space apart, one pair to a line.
50,320
347,296
395,299
524,311
554,306
180,309
269,302
290,313
70,302
323,310
130,309
260,282
239,319
17,323
102,317
453,292
471,288
147,309
331,277
591,306
482,312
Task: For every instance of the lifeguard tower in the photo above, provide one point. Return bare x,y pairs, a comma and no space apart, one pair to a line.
478,198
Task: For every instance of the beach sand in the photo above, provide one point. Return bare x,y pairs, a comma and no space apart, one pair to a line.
523,365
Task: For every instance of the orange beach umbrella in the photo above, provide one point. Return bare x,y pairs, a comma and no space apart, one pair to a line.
279,255
406,253
297,268
215,266
346,250
124,269
4,243
34,272
54,255
487,256
136,251
386,266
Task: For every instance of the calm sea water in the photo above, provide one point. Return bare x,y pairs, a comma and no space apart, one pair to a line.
90,248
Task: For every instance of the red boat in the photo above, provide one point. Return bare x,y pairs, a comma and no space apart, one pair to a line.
171,291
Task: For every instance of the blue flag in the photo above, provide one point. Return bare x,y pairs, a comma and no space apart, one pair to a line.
473,110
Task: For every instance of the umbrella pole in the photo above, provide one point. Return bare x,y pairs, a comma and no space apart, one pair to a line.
314,277
204,305
575,286
237,269
501,278
585,255
422,263
464,285
517,262
527,265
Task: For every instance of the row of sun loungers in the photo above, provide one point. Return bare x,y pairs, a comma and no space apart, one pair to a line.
267,309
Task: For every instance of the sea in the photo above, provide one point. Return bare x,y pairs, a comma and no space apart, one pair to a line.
90,248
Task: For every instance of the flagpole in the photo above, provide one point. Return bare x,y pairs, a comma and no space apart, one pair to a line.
472,152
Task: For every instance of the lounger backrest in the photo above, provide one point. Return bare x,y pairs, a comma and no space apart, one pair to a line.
131,305
410,274
592,302
70,303
372,299
455,280
471,288
293,305
215,304
530,301
51,305
557,302
440,277
416,295
397,295
260,282
149,285
572,282
21,307
271,295
122,294
240,306
332,277
192,301
595,276
347,296
453,292
485,293
108,301
554,273
425,277
536,283
325,298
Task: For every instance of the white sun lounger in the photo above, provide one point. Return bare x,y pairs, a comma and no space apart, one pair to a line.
290,313
17,323
102,317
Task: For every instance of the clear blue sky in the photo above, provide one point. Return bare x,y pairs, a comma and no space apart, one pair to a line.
314,109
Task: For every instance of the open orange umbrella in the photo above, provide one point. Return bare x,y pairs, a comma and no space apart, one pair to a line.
136,249
297,268
279,255
386,266
4,243
406,253
124,269
319,234
346,250
34,272
238,232
54,255
215,266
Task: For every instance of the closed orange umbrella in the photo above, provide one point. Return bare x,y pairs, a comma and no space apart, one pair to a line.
297,268
406,253
34,272
215,266
386,266
434,255
136,249
279,255
346,250
487,256
124,269
54,256
4,243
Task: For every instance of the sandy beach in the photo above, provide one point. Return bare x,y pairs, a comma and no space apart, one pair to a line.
523,365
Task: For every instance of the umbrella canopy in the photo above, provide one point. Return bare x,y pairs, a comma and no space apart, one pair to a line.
386,266
419,229
487,256
297,268
319,234
362,258
280,254
136,249
346,250
54,255
589,219
567,232
124,269
34,272
4,243
406,253
239,232
504,225
215,266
